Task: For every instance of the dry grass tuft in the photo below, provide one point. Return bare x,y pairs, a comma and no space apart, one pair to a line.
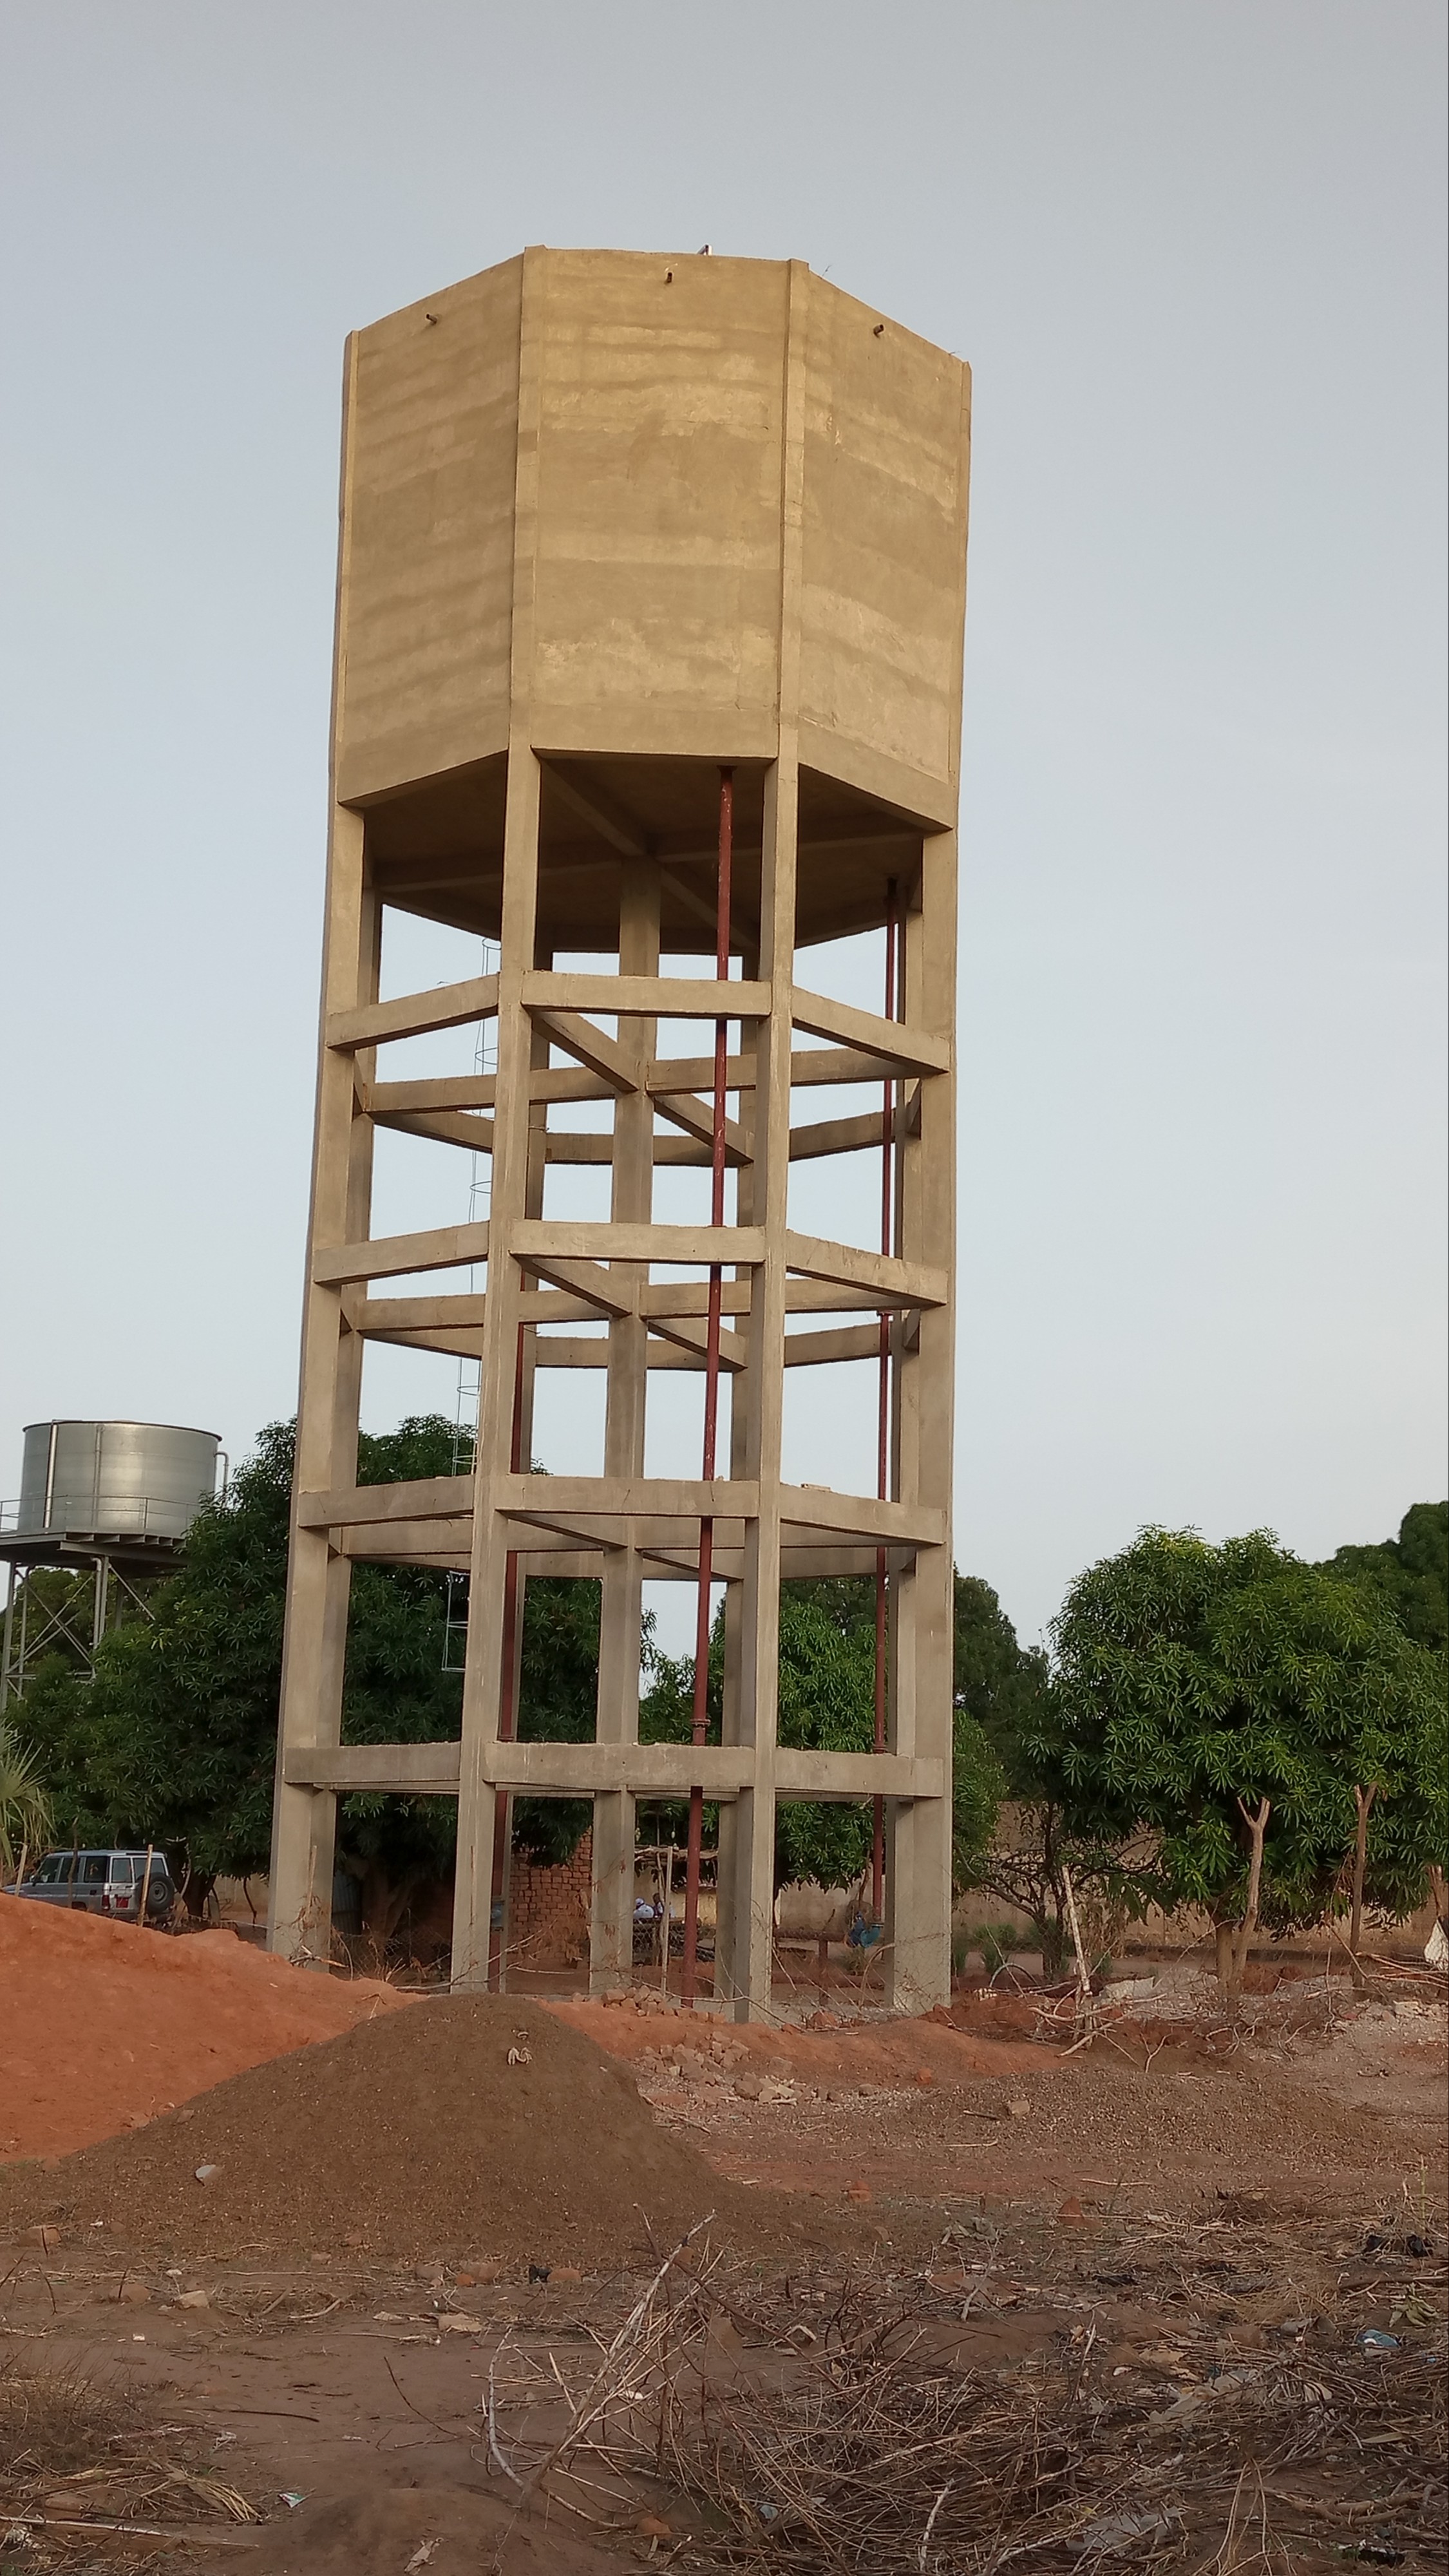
54,2427
866,2441
78,2458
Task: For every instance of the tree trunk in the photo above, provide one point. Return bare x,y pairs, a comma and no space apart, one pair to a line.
1223,1939
1241,1940
1084,1979
196,1889
1053,1931
384,1902
1056,1942
1363,1800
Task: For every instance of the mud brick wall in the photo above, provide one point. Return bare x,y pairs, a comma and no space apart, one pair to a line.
548,1909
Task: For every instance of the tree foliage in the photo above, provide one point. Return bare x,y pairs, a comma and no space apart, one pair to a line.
827,1705
1193,1683
175,1741
558,1700
1410,1573
1026,1852
999,1684
25,1811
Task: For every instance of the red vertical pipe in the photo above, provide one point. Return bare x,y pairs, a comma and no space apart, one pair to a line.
699,1726
883,1422
507,1714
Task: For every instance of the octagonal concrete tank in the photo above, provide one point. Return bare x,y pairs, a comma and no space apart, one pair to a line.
642,503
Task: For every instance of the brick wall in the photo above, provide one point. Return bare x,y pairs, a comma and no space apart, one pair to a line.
548,1910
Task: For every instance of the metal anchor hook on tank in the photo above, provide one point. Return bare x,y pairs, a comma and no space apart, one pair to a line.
648,654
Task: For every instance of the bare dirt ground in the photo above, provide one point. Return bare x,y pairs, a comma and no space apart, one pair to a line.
1175,2300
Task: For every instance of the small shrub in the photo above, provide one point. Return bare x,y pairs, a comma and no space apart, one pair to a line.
998,1942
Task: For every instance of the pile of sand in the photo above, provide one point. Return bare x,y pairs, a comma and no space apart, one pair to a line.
477,2125
105,2024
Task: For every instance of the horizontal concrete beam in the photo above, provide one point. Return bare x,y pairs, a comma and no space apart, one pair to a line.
837,1136
619,1511
394,1256
536,1239
809,1067
403,1770
846,1265
447,1006
660,1498
581,1549
896,1047
478,1090
584,1770
410,1542
861,1516
592,1290
648,997
429,1498
443,1127
820,1350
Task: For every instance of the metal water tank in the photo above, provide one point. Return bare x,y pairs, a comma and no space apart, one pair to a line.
115,1479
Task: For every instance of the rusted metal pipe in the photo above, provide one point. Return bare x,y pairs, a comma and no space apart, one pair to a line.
699,1727
883,1419
507,1711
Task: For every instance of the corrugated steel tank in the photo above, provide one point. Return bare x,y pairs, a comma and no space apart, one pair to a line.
120,1479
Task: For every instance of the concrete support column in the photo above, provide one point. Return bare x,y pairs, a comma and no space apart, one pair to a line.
319,1582
478,1796
918,1952
751,1935
611,1927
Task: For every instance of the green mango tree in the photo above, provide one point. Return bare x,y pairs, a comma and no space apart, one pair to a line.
1270,1724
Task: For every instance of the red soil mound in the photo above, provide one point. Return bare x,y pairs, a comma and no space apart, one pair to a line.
104,2025
476,2123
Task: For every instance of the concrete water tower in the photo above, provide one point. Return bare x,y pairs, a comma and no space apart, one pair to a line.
649,639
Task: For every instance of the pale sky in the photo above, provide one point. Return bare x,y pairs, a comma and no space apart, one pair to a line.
1195,256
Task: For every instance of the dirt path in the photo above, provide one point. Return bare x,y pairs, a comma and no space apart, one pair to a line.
1215,2259
372,2415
